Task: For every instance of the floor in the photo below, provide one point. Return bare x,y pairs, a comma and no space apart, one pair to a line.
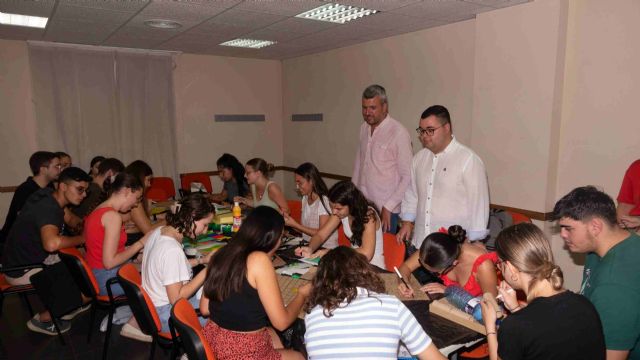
18,342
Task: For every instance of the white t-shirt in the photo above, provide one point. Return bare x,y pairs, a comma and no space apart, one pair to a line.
378,257
311,218
163,263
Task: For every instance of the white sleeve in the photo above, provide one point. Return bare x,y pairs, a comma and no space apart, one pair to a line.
411,332
409,206
475,181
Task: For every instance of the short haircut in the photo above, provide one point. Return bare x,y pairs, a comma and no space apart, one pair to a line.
74,174
585,203
39,159
439,111
61,154
110,164
375,90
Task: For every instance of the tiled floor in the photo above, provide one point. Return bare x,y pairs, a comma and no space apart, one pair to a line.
18,342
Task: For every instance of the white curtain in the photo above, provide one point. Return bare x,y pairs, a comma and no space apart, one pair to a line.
92,101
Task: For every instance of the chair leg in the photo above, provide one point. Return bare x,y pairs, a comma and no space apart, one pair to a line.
153,348
94,305
107,335
25,297
57,326
2,303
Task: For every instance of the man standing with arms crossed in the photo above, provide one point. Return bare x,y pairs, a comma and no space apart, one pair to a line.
383,161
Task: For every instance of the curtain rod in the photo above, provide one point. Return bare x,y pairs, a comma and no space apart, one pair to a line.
102,48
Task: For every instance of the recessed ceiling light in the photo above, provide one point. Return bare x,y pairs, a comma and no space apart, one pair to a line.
23,20
163,24
336,13
248,43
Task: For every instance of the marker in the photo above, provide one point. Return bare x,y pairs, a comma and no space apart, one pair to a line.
404,282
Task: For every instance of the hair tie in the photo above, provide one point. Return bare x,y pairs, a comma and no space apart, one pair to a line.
443,230
175,208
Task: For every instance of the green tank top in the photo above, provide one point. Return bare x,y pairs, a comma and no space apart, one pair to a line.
266,200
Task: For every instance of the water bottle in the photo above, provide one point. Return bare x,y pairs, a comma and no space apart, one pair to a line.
464,301
237,217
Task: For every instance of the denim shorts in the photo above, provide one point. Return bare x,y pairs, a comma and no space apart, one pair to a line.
164,313
102,275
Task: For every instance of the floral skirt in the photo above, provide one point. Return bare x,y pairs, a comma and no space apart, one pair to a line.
231,345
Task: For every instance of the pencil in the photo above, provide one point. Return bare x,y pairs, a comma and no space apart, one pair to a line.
404,282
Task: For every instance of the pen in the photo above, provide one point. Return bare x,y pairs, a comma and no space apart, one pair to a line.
404,282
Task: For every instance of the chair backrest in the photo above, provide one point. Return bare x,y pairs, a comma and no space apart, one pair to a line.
203,178
157,194
80,271
518,217
392,251
139,301
166,184
343,240
295,209
186,322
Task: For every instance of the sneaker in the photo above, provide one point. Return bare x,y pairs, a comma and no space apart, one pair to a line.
134,333
75,312
47,327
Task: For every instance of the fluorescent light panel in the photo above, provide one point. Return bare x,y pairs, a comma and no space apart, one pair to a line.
23,20
336,13
248,43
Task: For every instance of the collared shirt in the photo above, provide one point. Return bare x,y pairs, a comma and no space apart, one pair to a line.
449,188
383,163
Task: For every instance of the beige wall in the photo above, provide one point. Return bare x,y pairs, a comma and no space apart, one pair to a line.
209,85
17,119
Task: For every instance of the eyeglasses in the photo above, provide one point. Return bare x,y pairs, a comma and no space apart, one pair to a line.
429,131
80,189
438,273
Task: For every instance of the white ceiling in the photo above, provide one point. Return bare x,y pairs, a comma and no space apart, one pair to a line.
207,23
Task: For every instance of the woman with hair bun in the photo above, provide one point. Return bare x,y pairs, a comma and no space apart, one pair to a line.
264,192
456,261
556,323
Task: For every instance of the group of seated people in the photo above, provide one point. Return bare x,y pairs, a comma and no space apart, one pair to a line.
348,310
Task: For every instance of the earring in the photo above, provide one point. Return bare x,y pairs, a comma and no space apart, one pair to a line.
514,277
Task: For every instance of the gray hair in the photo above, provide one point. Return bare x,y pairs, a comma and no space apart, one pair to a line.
375,90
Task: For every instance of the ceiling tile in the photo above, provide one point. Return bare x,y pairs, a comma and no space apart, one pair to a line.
248,18
68,12
20,33
178,11
439,9
497,3
382,5
41,8
301,26
130,6
280,7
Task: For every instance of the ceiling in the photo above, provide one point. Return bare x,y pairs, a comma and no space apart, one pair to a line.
207,23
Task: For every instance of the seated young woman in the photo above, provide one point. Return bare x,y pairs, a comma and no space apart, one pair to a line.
231,172
315,204
138,221
350,316
94,164
456,261
360,223
242,296
104,233
555,323
166,272
263,191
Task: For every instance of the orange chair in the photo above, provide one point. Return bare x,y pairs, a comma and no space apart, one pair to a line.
518,218
86,281
22,290
143,308
157,194
165,184
392,251
295,209
185,321
187,179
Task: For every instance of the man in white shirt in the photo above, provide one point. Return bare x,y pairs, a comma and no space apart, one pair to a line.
383,160
448,184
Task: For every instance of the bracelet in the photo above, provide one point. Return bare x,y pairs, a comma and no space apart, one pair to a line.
491,333
516,308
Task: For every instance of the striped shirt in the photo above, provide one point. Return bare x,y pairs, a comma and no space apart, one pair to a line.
370,327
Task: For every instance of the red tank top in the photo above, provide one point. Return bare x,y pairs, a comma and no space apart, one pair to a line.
472,286
94,237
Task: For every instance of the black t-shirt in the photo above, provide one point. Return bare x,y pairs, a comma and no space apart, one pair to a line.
563,326
20,197
24,244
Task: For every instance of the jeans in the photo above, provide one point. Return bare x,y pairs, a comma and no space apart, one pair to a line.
164,313
393,225
102,275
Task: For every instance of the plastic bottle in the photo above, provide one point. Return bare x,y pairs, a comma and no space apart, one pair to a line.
464,301
237,217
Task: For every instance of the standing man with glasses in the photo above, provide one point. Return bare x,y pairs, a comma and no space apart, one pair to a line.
382,166
36,234
448,184
45,167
